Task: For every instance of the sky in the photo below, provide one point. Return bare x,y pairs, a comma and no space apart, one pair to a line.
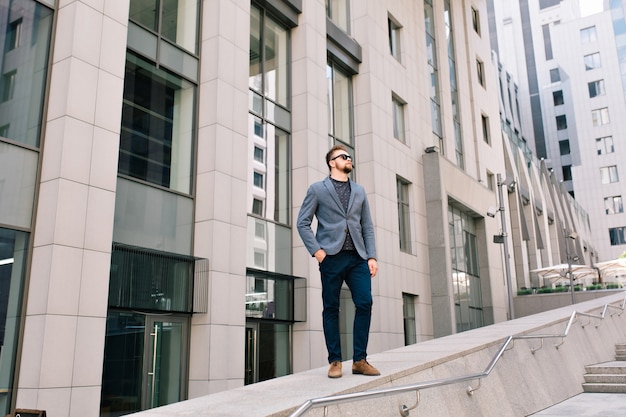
588,7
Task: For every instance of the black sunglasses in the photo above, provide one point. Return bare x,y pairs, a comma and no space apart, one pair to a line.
345,157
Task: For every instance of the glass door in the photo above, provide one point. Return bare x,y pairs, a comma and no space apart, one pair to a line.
165,361
145,362
252,369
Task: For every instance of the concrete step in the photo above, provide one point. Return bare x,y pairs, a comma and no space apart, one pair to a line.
620,357
605,378
614,367
604,388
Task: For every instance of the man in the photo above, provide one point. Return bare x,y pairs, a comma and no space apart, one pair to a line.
345,248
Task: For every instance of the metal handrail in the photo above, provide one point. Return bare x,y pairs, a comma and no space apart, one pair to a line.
404,411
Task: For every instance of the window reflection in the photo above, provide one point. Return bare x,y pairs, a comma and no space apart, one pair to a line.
24,64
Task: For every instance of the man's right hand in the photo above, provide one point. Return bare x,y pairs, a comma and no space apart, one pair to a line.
320,255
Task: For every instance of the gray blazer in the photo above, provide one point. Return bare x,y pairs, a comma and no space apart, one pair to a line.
333,222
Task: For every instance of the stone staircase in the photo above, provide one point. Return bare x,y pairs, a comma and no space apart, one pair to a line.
608,377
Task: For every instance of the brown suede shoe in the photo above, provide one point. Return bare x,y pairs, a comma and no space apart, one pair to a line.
364,368
335,370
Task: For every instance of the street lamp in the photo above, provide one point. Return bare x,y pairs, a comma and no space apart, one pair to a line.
572,236
501,238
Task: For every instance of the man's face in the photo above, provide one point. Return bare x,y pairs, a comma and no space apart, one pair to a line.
343,161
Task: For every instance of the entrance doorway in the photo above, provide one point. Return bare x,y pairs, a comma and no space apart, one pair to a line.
145,361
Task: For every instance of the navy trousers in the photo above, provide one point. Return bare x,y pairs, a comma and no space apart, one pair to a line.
346,266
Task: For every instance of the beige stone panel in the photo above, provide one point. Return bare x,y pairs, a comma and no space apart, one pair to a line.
226,292
104,156
89,352
32,348
113,48
71,213
108,113
76,98
56,401
99,224
57,359
64,280
205,198
85,401
226,358
200,343
37,301
117,10
207,103
94,285
46,215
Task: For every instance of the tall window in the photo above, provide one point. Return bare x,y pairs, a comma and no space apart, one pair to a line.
484,122
605,145
564,148
404,215
408,313
557,97
13,257
465,270
555,75
567,172
394,37
269,145
547,42
338,12
588,35
476,20
617,236
600,117
592,61
609,174
25,33
433,68
158,118
561,122
596,88
480,71
397,106
613,204
454,93
176,21
340,117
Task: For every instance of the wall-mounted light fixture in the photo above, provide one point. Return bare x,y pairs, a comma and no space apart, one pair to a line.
432,149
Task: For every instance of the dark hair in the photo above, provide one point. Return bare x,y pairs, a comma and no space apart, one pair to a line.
332,150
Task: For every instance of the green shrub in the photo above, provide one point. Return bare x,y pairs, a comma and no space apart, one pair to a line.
524,291
544,290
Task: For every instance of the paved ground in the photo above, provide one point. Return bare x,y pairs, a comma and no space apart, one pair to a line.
588,405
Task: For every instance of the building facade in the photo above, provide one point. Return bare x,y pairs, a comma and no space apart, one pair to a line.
572,77
154,155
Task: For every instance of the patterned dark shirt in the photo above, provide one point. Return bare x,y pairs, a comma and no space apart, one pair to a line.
343,190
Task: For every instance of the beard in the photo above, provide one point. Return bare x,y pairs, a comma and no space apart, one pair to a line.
347,169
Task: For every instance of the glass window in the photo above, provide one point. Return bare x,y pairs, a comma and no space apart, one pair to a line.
24,64
476,20
13,257
613,204
339,90
404,215
564,148
605,145
544,4
485,128
561,122
588,35
398,119
609,174
555,75
466,281
394,37
156,142
269,145
547,42
600,116
480,70
18,176
268,58
410,325
338,12
596,88
178,20
433,69
557,97
592,61
454,94
567,172
617,236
